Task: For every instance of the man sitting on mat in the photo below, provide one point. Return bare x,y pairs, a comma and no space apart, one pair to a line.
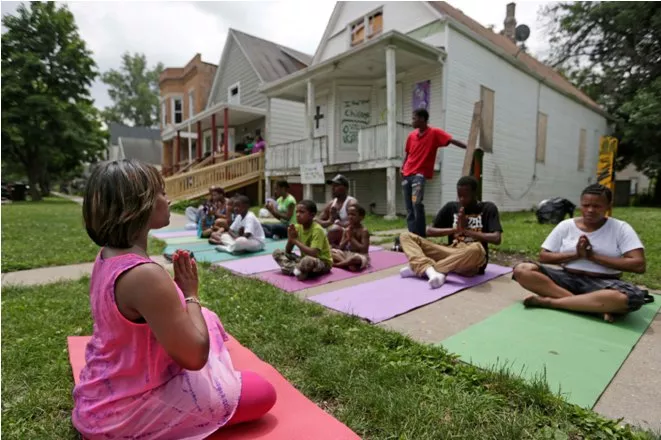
334,218
593,250
309,237
353,251
470,226
245,234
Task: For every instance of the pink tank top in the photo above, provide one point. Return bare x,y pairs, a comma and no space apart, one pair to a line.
131,386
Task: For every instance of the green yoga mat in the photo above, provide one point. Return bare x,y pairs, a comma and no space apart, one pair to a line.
213,256
581,353
203,245
184,240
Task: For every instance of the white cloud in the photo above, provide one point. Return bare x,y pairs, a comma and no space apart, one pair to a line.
173,32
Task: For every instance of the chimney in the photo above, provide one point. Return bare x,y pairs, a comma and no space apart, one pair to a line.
510,22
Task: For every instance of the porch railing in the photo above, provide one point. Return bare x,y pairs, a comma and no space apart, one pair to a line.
291,155
230,175
373,141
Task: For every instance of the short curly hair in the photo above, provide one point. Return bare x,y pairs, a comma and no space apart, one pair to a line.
119,198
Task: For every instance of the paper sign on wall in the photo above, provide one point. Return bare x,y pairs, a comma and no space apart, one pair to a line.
312,173
354,115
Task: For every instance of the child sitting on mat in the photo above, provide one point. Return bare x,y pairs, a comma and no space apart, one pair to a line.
311,240
353,251
244,235
157,365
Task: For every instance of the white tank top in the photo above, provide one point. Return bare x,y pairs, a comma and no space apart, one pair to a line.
343,210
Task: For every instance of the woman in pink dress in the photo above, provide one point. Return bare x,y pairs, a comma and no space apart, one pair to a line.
157,366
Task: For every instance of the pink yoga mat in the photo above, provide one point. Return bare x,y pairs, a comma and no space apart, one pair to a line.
294,416
262,263
172,234
392,296
379,261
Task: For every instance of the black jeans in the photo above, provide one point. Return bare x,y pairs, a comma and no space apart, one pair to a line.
414,191
271,229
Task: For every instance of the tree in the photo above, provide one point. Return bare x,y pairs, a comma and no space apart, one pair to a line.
611,51
49,125
134,92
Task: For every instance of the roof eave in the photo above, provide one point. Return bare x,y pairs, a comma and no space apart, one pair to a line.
392,37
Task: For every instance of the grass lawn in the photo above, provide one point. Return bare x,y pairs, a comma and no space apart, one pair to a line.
48,233
380,383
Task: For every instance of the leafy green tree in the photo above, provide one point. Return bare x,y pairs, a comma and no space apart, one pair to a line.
49,125
134,92
611,51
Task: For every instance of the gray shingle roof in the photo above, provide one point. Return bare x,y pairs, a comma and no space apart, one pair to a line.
120,130
271,60
140,143
146,150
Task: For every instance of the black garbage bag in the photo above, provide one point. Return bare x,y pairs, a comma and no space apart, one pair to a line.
553,211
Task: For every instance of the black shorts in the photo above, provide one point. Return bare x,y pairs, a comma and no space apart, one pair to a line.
580,284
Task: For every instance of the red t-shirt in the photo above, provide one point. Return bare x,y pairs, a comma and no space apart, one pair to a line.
421,151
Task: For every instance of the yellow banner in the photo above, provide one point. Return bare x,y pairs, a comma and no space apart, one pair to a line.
605,166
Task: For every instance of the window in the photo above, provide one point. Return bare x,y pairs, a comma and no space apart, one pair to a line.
207,143
540,152
234,94
191,103
177,110
581,149
163,113
366,28
487,96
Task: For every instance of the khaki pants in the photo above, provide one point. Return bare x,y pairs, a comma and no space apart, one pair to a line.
461,258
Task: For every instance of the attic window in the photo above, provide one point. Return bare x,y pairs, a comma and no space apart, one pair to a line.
234,94
366,28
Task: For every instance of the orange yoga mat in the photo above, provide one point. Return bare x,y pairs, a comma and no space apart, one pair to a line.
294,416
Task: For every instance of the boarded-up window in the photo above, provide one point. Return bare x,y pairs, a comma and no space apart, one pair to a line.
581,149
487,96
366,28
540,151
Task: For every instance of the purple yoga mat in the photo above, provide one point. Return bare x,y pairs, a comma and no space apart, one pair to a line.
173,234
392,296
262,263
379,261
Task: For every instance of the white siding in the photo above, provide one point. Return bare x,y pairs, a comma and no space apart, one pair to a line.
401,16
287,121
512,178
237,69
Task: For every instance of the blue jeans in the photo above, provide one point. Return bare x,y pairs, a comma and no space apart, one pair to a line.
414,191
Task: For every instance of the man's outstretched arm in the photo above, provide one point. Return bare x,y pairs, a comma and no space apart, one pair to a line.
458,144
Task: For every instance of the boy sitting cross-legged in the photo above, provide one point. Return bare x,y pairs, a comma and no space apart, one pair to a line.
353,251
244,235
309,237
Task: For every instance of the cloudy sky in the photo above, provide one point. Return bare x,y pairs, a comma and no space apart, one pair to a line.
172,32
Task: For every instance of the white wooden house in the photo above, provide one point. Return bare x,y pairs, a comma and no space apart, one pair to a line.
540,133
235,107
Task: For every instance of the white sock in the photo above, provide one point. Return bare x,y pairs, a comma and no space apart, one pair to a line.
436,279
222,248
297,271
406,272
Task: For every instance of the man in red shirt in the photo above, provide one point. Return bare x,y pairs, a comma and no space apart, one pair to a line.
418,166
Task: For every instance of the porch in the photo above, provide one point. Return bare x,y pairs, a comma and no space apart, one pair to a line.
358,105
200,140
286,158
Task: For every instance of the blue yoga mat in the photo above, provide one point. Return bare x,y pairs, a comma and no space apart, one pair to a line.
213,256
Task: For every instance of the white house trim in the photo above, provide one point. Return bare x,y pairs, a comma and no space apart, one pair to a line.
393,37
326,36
173,115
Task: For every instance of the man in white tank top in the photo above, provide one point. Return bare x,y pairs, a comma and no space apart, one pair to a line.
334,217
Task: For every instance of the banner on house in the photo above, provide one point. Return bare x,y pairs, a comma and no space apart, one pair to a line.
312,173
355,114
605,165
421,95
